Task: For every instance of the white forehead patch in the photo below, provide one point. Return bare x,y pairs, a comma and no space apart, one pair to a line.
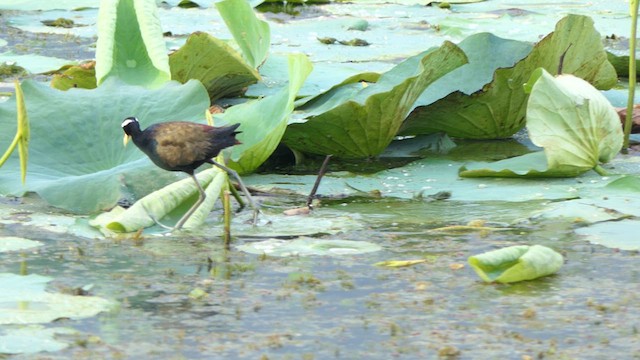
128,121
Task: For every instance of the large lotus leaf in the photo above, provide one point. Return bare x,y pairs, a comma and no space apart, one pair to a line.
574,123
481,50
216,64
251,34
357,121
264,121
516,263
76,158
130,44
498,110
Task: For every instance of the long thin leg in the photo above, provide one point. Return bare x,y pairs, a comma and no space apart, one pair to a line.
154,218
186,216
254,205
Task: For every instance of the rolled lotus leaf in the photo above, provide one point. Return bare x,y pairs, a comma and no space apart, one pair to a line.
516,263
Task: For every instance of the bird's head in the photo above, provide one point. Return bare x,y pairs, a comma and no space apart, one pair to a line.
130,126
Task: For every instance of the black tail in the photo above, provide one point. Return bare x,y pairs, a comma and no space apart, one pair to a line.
224,137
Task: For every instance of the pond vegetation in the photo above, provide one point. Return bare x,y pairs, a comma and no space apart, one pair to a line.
478,202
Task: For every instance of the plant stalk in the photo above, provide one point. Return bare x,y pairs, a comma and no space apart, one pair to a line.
226,204
632,73
323,170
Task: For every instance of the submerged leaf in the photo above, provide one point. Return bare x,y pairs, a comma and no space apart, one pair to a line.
498,109
130,44
25,301
354,120
305,246
516,263
574,123
33,339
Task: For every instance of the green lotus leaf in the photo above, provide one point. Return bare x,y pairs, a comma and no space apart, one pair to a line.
574,123
130,44
251,34
471,77
76,76
498,109
264,121
214,63
76,158
175,198
516,263
358,120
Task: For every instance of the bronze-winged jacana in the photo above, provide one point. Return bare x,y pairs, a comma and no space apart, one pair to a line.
184,146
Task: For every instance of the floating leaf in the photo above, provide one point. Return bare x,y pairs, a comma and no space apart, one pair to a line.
309,246
498,110
76,76
33,339
574,123
25,301
12,243
251,34
76,158
516,263
400,263
613,234
213,62
130,45
352,120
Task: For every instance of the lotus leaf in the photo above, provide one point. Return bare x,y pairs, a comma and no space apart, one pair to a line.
264,121
516,263
214,63
33,339
177,196
130,44
574,123
251,34
498,110
306,246
357,120
25,301
76,158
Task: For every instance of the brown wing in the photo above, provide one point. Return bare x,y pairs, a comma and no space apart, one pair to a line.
182,143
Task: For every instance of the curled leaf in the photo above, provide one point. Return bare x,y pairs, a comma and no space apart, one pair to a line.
516,263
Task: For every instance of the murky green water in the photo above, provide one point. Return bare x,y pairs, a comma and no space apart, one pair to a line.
344,307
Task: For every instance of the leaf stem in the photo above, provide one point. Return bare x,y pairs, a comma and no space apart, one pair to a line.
601,171
11,148
632,73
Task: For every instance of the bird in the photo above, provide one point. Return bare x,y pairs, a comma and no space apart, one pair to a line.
185,146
